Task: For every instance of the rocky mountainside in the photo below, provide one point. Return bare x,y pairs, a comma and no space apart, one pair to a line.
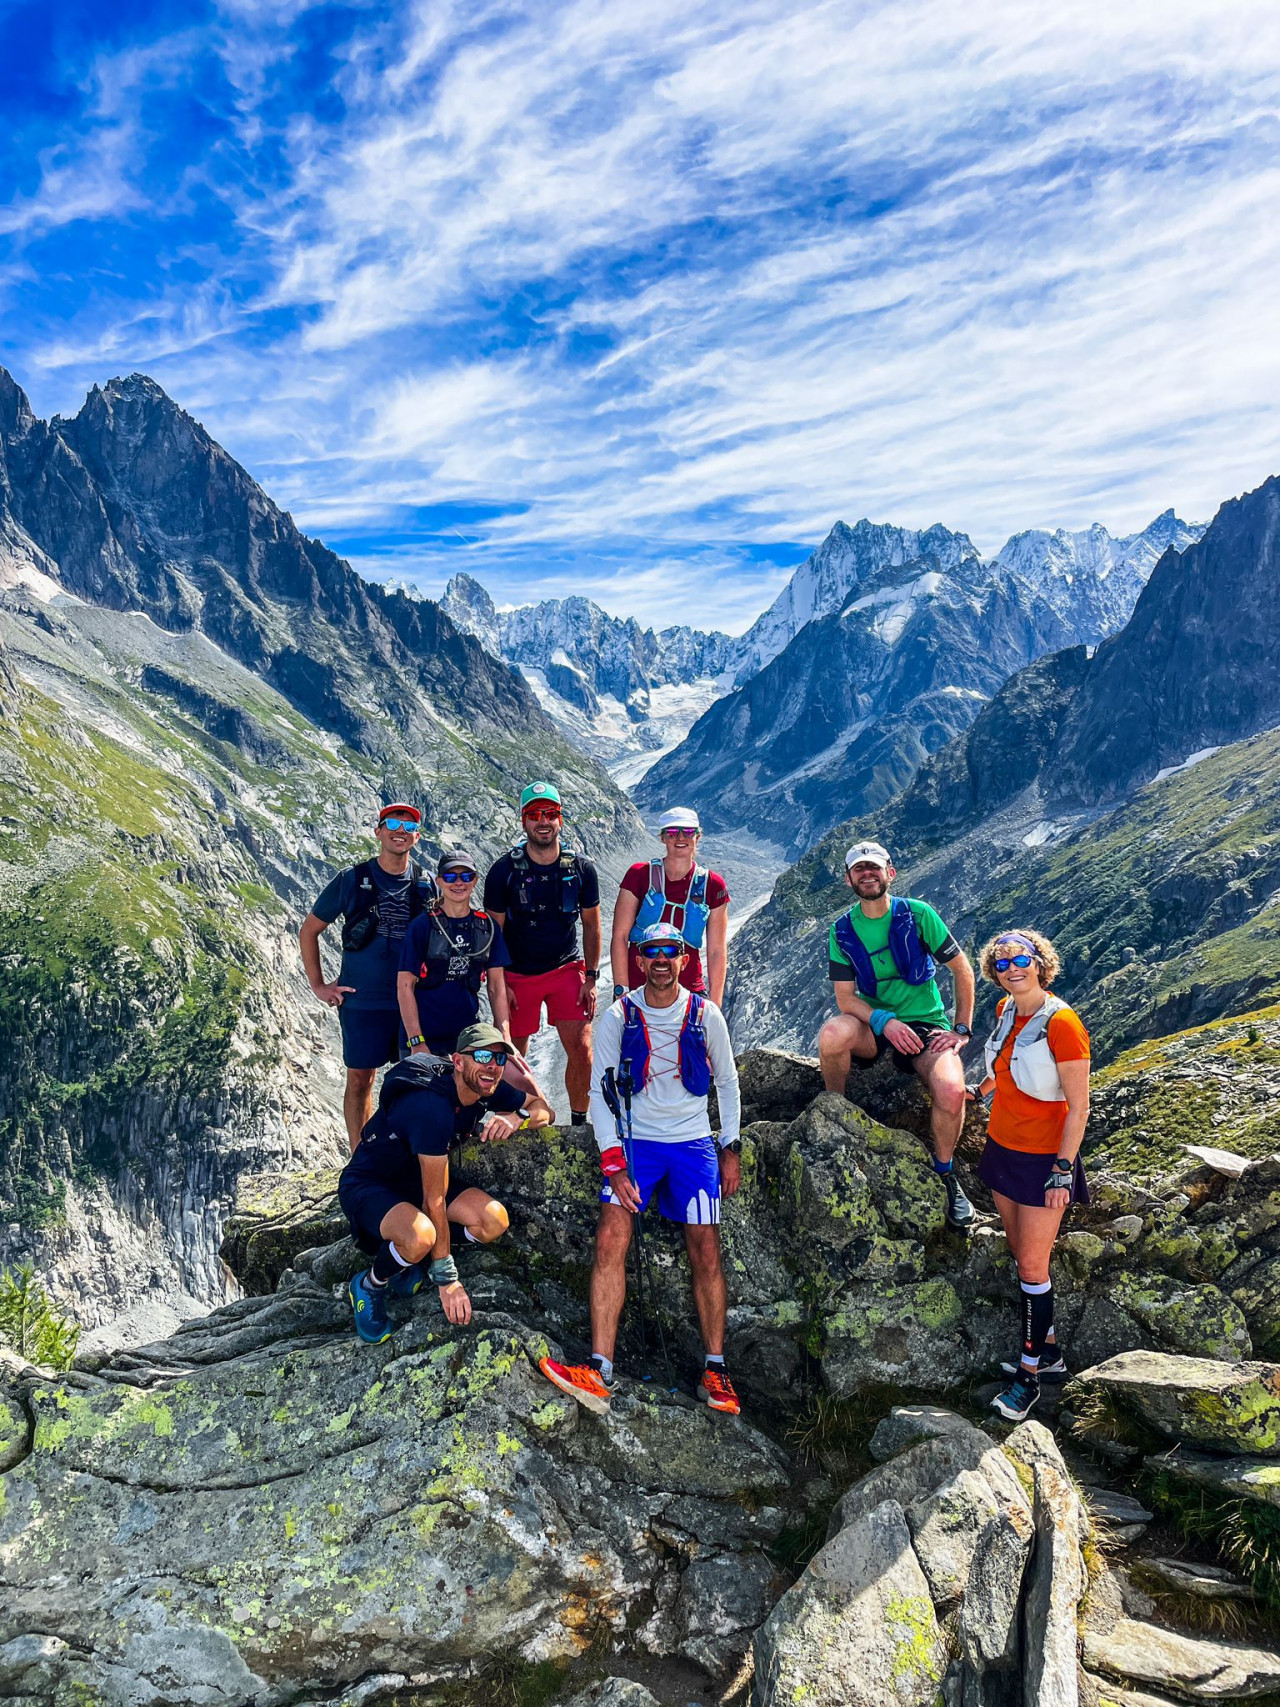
846,713
200,711
622,691
1122,802
1090,578
131,506
260,1509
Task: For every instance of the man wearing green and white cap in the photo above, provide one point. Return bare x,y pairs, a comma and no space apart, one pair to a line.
882,956
537,893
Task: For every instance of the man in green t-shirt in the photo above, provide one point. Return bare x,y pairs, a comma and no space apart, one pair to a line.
887,1000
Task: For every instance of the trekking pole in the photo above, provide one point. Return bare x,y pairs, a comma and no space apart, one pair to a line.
625,1085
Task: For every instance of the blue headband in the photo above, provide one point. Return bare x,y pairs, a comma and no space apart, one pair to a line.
1017,936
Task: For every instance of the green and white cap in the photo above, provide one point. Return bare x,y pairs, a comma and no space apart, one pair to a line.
540,791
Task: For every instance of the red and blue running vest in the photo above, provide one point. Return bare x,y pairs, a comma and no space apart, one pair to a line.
695,1064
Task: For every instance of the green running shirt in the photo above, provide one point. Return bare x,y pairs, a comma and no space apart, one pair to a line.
920,1004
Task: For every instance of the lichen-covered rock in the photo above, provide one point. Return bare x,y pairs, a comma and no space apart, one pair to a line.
276,1217
858,1629
267,1507
1193,1668
1230,1478
1231,1407
1199,1320
908,1425
15,1426
1057,1577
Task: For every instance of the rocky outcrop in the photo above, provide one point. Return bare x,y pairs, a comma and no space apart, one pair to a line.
263,1508
1232,1406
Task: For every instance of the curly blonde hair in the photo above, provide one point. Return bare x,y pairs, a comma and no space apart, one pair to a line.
1046,953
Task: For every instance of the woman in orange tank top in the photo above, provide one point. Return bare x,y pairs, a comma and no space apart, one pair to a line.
1038,1074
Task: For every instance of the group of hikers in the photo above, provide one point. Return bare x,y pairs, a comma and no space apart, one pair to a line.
417,953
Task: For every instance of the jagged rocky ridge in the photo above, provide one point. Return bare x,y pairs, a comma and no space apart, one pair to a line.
269,1511
620,690
845,714
1122,802
199,715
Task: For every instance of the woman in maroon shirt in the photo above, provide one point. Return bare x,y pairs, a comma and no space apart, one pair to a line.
674,890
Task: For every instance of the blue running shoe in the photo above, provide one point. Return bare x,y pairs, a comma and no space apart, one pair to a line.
369,1307
1016,1401
406,1281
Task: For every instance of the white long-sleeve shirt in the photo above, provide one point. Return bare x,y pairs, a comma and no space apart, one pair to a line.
664,1111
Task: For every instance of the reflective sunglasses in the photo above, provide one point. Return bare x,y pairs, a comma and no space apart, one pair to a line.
498,1057
1021,960
399,824
679,830
549,817
458,876
661,951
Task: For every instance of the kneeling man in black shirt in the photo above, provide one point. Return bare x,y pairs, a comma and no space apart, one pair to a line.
396,1189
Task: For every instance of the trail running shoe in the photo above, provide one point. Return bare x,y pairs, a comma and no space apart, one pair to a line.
716,1390
960,1211
406,1281
1052,1368
1017,1399
369,1307
582,1381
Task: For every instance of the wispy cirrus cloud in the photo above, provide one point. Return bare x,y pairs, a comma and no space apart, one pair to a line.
643,297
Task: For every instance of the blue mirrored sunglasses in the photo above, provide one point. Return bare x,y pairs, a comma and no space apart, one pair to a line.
1022,960
484,1056
661,951
457,876
400,824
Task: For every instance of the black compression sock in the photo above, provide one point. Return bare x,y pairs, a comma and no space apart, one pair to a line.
383,1266
1037,1319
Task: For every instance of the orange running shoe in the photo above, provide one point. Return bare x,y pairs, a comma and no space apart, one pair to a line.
716,1390
582,1381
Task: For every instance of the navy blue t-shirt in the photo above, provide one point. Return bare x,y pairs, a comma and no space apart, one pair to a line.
423,1123
446,1009
540,935
371,971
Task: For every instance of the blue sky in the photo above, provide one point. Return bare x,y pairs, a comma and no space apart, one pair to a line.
636,299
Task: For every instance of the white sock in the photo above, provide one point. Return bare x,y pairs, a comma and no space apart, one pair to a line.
604,1365
470,1237
403,1261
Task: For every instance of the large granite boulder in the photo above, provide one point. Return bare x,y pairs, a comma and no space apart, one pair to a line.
262,1509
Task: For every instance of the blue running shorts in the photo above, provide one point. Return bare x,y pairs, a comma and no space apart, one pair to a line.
370,1037
686,1177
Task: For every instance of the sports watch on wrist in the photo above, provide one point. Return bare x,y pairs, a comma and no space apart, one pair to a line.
732,1148
962,1031
413,1042
593,975
619,990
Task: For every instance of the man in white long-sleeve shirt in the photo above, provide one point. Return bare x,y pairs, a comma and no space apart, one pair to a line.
670,1044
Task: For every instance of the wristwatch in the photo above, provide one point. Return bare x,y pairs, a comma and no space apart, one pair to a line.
962,1031
619,990
732,1148
413,1042
592,975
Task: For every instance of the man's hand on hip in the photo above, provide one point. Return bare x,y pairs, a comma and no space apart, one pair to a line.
331,994
624,1189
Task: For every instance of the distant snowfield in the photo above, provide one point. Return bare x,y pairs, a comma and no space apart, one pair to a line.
1187,763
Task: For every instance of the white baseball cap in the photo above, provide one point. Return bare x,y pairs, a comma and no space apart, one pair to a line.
868,853
679,818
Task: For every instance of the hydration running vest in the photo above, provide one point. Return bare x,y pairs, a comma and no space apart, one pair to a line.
694,912
695,1063
1031,1060
361,920
414,1073
519,889
443,951
912,960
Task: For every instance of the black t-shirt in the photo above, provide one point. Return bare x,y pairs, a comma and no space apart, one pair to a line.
423,1123
451,1005
371,971
539,933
